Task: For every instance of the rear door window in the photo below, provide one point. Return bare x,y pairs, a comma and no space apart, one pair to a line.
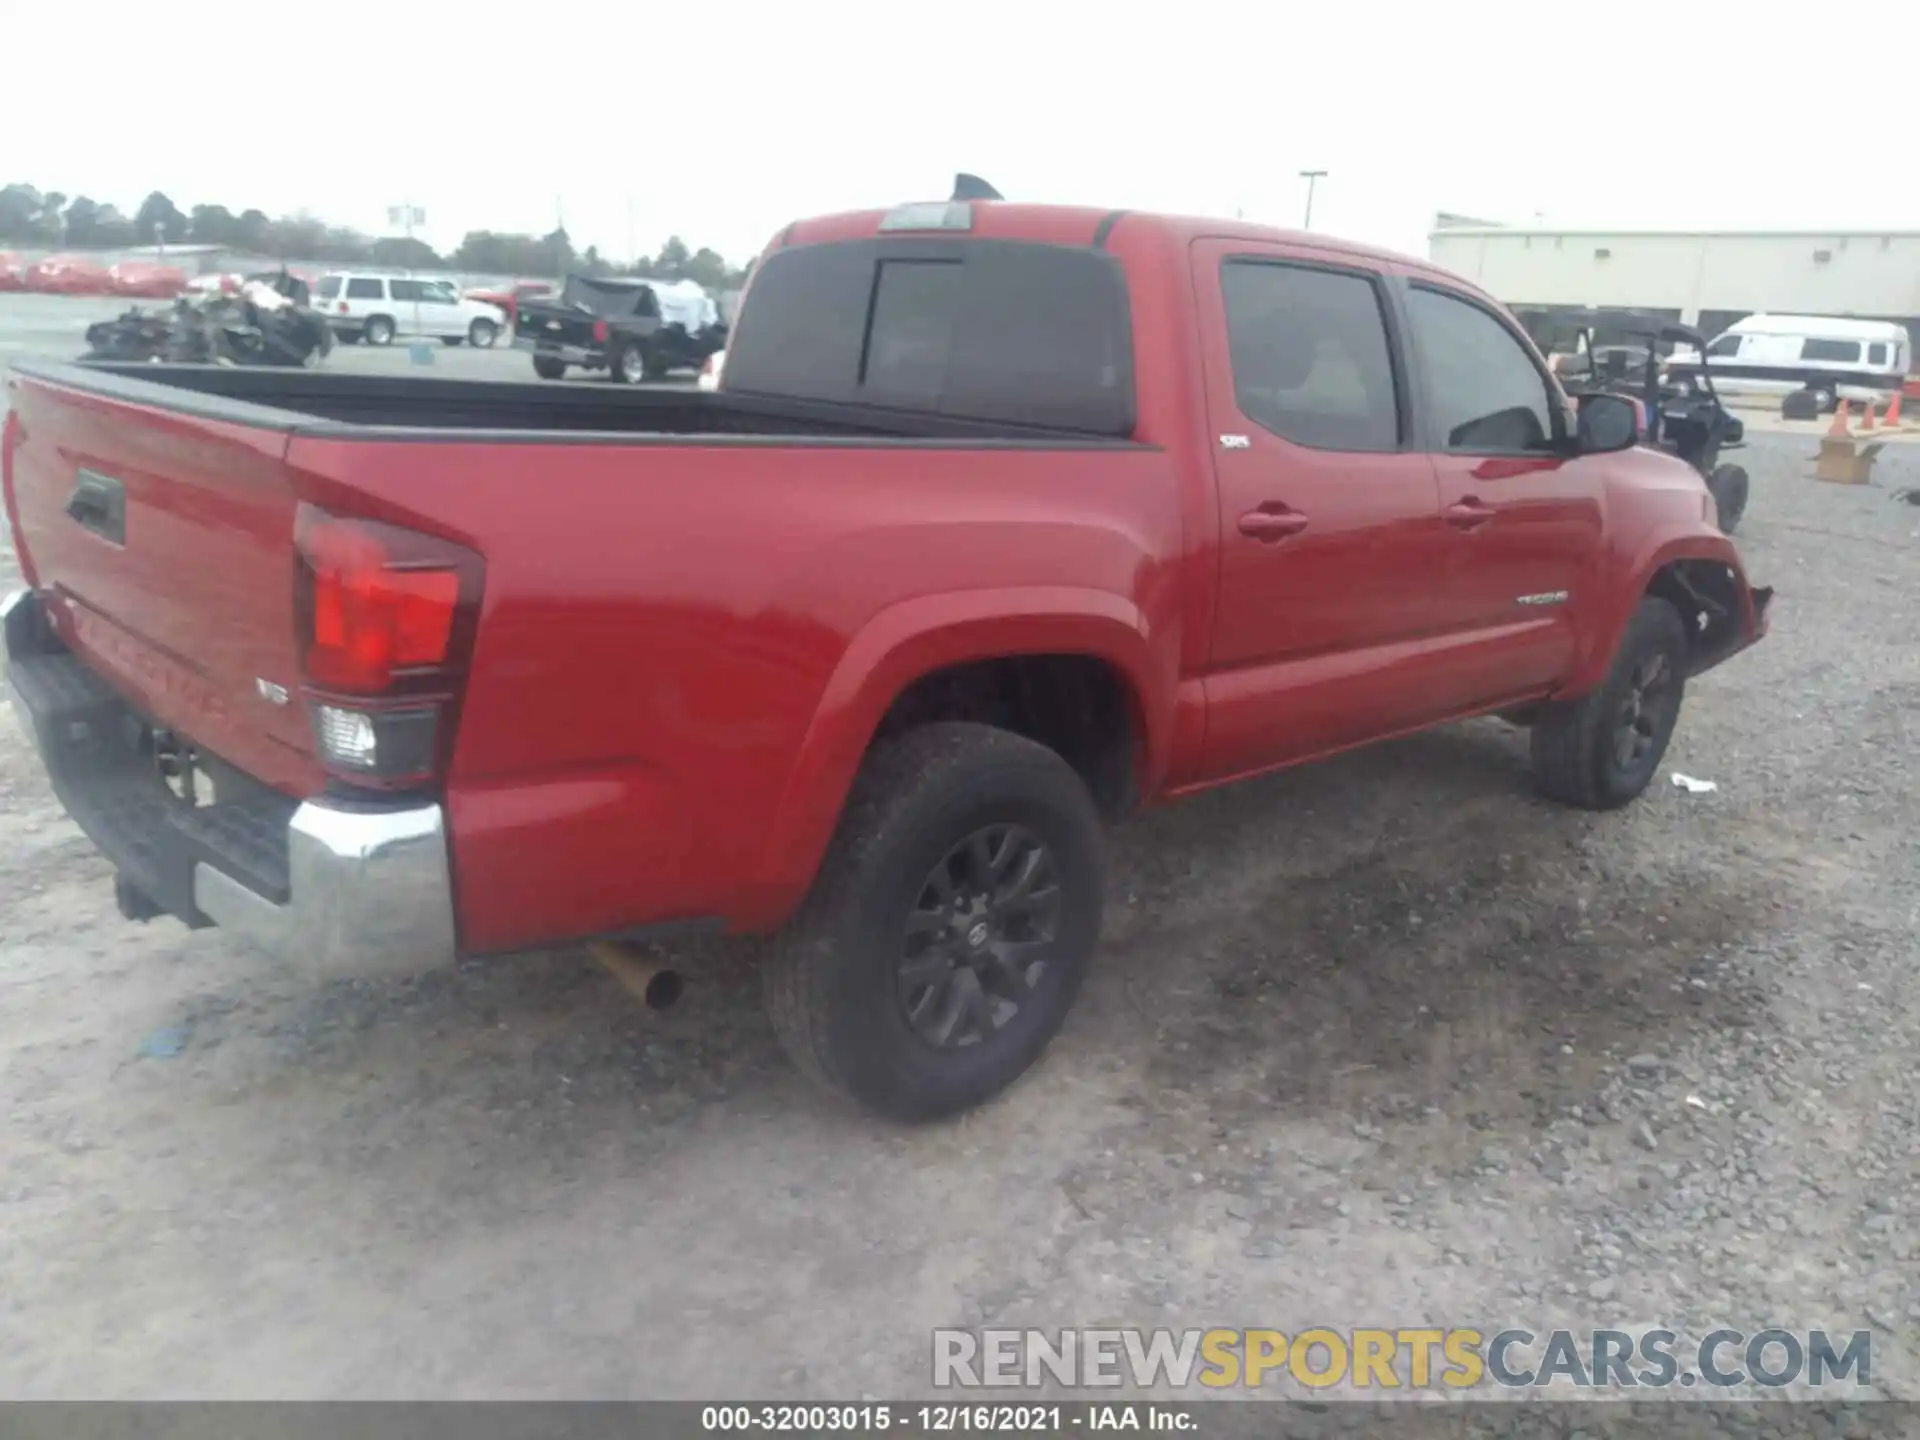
1311,358
365,288
1483,389
1839,352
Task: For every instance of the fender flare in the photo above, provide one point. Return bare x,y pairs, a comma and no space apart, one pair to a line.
916,637
1624,593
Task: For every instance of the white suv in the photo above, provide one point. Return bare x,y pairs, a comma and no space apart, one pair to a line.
379,307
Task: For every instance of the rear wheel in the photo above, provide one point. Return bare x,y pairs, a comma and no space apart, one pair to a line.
1729,486
482,333
630,363
950,925
547,368
1600,752
379,330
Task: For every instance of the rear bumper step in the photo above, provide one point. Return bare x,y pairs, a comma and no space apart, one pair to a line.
594,357
333,887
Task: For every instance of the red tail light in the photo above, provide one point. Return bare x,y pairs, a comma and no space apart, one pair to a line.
386,619
600,332
343,307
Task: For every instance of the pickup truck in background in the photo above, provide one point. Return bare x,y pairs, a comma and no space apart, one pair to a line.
1006,520
510,297
634,329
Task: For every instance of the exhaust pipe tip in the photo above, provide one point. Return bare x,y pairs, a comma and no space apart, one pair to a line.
654,985
662,990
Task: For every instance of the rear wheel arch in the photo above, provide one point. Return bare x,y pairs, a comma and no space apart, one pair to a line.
908,668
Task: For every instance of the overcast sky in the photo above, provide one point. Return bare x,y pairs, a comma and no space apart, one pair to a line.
724,123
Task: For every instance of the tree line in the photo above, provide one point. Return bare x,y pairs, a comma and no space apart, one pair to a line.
29,216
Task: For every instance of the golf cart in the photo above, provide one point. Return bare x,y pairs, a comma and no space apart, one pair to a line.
1684,416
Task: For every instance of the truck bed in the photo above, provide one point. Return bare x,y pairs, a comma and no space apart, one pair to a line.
336,403
672,580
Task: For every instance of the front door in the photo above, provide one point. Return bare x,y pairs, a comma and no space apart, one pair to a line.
440,311
1329,516
1523,519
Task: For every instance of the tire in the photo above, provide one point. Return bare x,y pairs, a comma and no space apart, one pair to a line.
1578,755
835,988
629,365
378,330
482,333
548,368
1729,486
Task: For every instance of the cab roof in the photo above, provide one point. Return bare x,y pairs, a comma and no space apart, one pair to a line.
1077,225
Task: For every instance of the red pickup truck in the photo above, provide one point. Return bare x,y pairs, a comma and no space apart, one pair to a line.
1008,519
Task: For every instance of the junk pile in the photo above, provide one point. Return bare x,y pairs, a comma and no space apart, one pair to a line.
270,320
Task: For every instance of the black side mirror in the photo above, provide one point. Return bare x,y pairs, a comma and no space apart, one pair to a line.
1607,423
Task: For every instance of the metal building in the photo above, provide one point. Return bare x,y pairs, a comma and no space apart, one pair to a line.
1705,279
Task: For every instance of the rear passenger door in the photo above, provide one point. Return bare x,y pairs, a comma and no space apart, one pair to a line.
1329,515
1522,520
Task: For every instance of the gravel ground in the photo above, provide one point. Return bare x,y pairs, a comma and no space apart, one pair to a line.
1385,1041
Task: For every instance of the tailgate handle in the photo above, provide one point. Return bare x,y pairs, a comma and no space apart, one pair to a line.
99,504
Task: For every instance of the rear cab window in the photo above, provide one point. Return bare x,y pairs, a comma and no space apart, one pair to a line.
1483,389
366,287
1311,357
1005,331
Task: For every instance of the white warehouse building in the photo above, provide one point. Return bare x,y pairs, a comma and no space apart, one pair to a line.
1708,280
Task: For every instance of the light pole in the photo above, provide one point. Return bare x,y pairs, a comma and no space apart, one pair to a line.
1310,176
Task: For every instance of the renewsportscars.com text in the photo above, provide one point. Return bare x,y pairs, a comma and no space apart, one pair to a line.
1413,1358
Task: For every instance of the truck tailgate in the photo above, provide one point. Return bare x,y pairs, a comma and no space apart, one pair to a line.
163,545
547,324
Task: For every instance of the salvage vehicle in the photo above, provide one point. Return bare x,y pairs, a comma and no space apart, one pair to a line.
1007,520
1682,412
634,329
147,280
67,275
508,297
377,308
268,321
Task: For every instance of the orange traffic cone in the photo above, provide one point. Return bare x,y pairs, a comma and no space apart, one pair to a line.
1839,425
1893,409
1866,420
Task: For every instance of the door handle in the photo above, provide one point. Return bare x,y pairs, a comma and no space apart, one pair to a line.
1272,525
1468,514
99,504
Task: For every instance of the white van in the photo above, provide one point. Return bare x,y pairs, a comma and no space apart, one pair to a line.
1741,358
